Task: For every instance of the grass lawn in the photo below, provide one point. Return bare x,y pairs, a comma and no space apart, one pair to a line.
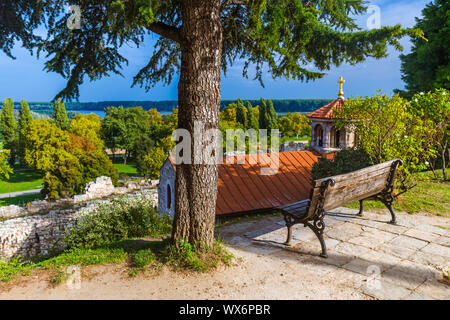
126,169
294,138
429,196
21,180
20,200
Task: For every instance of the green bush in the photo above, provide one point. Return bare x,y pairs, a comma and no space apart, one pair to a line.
346,160
122,218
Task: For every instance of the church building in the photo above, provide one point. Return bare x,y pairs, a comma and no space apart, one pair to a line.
241,187
325,137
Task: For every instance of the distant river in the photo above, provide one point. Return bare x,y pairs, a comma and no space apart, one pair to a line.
102,114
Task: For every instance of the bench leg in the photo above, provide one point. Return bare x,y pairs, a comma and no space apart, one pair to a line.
388,205
361,208
289,224
319,235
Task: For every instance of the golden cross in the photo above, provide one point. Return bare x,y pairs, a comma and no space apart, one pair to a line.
341,82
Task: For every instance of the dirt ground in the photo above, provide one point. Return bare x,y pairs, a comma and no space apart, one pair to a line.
262,270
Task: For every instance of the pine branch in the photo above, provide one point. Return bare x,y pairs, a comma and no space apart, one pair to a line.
166,31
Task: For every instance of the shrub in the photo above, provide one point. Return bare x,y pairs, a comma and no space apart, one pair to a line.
346,160
118,219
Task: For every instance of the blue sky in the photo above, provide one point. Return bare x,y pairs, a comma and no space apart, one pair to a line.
24,77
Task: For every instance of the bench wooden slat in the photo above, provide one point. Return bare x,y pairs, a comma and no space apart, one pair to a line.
297,209
356,174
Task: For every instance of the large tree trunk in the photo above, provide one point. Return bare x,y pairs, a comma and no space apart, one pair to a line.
198,100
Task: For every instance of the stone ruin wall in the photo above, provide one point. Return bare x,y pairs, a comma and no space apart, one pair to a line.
44,222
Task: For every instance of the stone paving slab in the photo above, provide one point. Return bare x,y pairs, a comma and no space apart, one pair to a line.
387,291
430,228
406,259
398,251
443,240
409,243
421,235
437,249
435,290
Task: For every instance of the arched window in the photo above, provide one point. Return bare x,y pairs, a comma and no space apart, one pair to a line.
318,135
169,197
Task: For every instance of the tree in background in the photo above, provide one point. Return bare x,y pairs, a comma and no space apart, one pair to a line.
24,119
241,117
278,37
60,115
264,116
386,130
273,118
67,160
88,126
8,127
5,169
44,144
427,67
121,127
252,120
294,124
114,128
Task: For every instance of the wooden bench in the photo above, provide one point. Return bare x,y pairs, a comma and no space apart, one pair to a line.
371,183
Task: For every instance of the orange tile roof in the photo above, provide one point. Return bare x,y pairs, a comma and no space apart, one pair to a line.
326,112
241,187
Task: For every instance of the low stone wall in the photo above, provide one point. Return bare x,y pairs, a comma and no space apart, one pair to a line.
101,188
292,146
37,234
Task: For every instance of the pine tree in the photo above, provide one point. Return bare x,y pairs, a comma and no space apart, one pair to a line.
263,115
240,113
273,115
60,115
8,128
24,119
252,122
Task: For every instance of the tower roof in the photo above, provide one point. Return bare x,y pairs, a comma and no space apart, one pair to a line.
326,112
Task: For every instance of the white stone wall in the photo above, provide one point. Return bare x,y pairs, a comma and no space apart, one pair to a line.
167,178
38,234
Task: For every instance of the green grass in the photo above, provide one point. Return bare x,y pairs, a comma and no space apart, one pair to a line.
294,138
139,254
21,180
20,200
429,196
126,169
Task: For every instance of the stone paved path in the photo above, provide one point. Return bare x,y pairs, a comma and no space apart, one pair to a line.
383,261
368,259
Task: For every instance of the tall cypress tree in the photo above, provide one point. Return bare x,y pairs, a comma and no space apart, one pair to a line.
60,115
273,116
240,113
252,122
8,128
263,115
24,119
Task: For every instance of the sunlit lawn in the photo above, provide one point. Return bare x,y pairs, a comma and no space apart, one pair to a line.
20,200
429,196
126,169
21,180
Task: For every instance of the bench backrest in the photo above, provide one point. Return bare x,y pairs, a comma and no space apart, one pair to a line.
353,186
